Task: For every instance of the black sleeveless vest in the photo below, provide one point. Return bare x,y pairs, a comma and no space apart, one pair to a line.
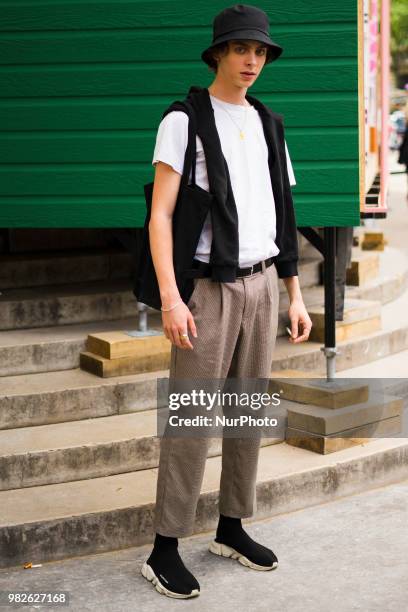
224,216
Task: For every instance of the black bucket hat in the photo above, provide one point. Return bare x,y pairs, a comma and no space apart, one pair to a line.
243,22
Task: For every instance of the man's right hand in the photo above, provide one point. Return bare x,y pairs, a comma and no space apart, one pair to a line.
177,322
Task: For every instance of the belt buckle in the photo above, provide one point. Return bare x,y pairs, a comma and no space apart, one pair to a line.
252,270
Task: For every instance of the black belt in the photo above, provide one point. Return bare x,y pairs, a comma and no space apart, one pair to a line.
204,268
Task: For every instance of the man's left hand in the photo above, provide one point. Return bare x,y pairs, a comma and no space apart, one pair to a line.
300,321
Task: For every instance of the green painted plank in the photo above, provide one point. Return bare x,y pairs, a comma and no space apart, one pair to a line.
82,15
127,179
318,210
326,216
150,45
68,147
93,80
45,213
311,211
299,109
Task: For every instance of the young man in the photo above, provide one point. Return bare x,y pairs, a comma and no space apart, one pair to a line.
232,313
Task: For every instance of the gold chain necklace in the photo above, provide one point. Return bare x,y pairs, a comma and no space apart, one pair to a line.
240,129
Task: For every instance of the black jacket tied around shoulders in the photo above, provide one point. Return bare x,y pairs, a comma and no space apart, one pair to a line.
219,202
224,216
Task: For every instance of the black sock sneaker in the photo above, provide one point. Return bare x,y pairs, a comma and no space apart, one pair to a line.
166,570
232,541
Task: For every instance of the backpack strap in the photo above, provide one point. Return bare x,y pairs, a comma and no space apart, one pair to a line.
191,150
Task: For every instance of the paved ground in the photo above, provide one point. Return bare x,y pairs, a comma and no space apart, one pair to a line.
346,555
395,228
395,225
392,366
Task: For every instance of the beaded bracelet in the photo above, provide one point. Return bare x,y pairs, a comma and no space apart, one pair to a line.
167,309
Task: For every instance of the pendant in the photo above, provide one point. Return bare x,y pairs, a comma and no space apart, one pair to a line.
241,135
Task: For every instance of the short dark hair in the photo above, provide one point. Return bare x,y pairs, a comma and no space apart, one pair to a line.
222,49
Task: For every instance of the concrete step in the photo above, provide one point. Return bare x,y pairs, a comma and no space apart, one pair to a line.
57,521
47,348
392,279
42,349
364,266
395,365
306,249
64,304
35,269
359,318
391,339
62,267
90,301
374,240
118,353
91,448
320,420
319,443
309,268
71,395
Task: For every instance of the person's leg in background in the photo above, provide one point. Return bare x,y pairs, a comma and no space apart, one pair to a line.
406,189
344,244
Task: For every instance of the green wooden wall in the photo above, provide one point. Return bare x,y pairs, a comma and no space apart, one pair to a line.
84,83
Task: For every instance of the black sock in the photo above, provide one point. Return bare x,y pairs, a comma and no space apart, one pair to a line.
165,543
169,567
229,526
231,533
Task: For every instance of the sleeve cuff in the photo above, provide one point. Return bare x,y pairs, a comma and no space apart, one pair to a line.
168,162
286,268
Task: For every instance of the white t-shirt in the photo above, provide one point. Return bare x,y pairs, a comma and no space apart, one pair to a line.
247,161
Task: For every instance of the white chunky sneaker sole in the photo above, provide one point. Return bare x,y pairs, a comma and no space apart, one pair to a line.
149,574
226,551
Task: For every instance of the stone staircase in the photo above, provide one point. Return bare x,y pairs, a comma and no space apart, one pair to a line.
78,453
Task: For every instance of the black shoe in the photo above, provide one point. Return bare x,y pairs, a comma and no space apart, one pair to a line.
233,542
170,576
269,560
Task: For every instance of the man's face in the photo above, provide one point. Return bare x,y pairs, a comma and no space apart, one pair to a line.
243,57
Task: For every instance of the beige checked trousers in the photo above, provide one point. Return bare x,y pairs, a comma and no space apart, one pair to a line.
236,334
